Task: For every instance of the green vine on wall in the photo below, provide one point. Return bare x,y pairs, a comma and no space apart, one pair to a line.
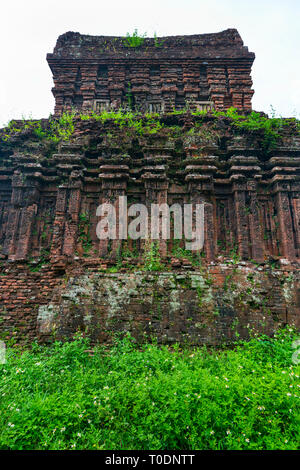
152,259
84,235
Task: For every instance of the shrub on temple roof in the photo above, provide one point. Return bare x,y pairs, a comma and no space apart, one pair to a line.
134,39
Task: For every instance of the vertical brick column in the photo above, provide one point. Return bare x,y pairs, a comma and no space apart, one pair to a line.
64,87
66,221
24,206
140,86
200,187
169,86
116,85
281,190
59,222
285,181
239,80
113,184
87,89
72,219
245,172
216,78
296,210
256,235
191,80
239,186
156,187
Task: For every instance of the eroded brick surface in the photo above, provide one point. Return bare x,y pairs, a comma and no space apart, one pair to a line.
97,72
213,305
56,275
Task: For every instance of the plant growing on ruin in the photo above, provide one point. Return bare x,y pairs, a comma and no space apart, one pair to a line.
257,122
152,259
158,42
84,234
129,96
53,130
135,39
36,265
61,128
125,119
181,253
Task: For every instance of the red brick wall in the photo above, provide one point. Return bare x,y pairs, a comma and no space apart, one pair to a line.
217,304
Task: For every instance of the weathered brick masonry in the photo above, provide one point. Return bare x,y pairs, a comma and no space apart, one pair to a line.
56,275
205,70
216,304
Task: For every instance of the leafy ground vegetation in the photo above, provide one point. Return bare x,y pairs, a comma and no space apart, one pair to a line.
149,397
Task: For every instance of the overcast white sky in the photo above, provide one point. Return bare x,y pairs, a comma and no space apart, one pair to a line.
29,29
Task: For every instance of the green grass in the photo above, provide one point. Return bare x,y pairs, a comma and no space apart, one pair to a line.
150,397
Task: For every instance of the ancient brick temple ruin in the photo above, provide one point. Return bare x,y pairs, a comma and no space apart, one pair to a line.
58,277
162,74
